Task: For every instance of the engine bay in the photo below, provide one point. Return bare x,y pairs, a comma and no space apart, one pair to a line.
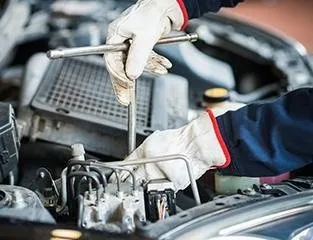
63,134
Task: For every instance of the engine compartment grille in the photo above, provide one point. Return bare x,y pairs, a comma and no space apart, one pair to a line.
82,89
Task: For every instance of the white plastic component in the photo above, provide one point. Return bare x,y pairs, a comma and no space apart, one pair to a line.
78,151
35,70
227,185
160,185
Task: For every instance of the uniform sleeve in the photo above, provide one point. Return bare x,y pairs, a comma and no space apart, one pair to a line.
196,8
272,138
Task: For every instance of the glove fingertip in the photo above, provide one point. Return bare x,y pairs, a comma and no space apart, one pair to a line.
133,73
167,64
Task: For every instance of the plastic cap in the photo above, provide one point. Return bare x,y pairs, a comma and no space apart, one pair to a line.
77,150
215,95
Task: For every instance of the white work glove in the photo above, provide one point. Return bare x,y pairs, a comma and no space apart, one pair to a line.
223,107
200,140
144,24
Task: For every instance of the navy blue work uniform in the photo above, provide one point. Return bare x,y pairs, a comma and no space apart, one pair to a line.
264,139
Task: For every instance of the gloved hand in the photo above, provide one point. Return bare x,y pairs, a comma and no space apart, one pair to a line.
144,24
199,140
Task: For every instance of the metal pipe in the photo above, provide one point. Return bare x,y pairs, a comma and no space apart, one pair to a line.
114,168
11,178
63,191
72,163
87,168
80,210
93,50
101,174
132,114
88,175
130,173
160,159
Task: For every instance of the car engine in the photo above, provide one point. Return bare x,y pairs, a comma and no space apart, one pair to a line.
63,134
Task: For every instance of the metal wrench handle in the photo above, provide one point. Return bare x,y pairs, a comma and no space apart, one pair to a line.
92,50
132,117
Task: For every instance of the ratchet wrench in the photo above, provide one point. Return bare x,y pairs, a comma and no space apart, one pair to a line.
101,49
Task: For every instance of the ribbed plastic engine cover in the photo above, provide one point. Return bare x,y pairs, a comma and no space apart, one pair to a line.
82,89
75,103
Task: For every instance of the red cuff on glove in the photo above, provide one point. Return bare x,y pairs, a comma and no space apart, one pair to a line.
220,139
185,13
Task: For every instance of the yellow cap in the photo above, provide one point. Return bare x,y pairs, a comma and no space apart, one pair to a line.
215,95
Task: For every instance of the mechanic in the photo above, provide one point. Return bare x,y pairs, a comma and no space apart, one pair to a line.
256,140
